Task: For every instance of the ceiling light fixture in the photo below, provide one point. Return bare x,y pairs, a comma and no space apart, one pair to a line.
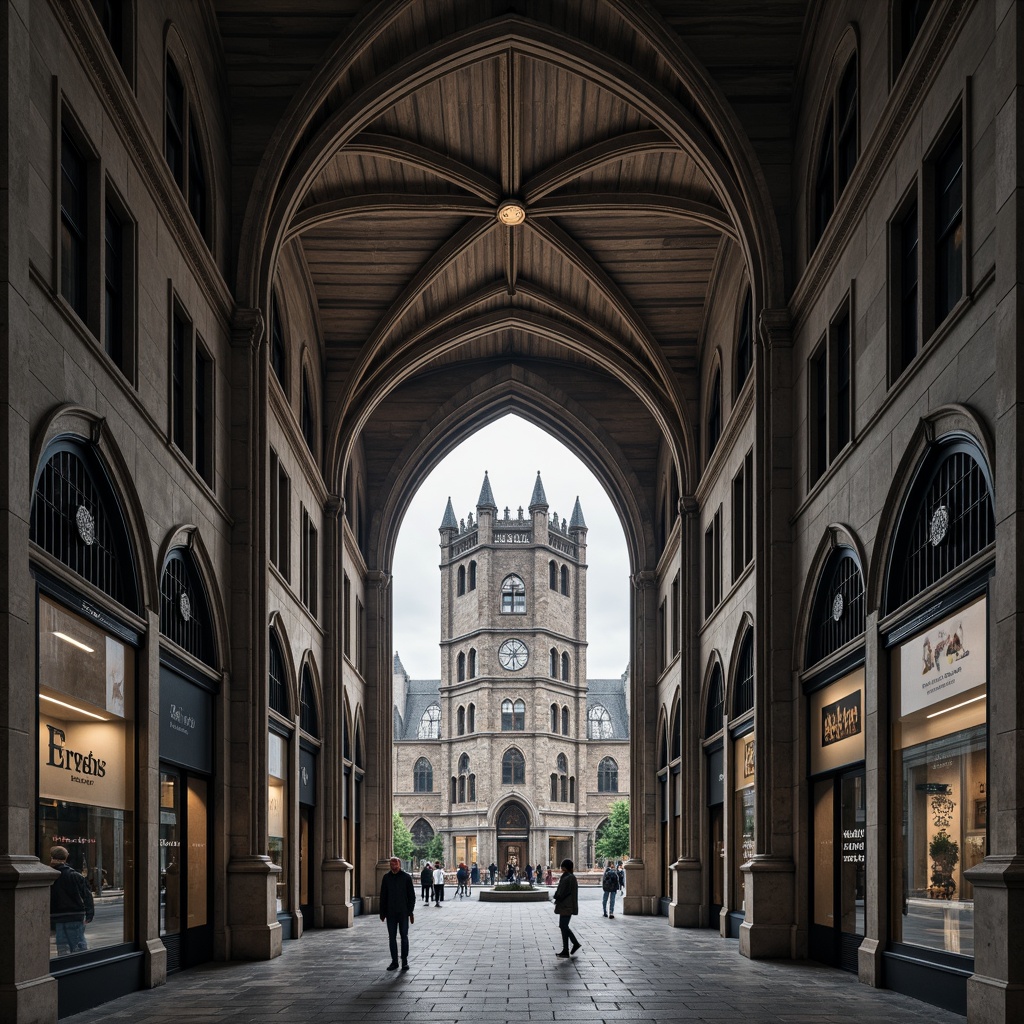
511,213
76,643
71,707
962,704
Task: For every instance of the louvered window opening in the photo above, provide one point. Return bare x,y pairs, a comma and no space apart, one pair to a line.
182,616
839,610
278,684
958,496
70,522
713,717
744,701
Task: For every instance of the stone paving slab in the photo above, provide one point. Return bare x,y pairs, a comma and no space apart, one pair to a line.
490,962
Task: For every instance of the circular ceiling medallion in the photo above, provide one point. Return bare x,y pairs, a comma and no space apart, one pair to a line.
837,607
511,212
939,526
86,524
185,606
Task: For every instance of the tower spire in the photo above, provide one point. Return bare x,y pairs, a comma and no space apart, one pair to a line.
539,500
486,499
449,522
577,521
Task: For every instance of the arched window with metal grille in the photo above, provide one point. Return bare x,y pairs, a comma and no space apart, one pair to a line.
599,723
308,718
714,709
838,609
278,695
185,617
430,723
743,699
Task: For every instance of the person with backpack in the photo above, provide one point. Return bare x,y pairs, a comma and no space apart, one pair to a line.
610,885
71,905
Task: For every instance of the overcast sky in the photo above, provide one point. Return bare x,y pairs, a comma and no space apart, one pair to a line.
512,451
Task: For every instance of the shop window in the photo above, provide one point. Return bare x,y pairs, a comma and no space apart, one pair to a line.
423,776
714,412
460,588
76,519
278,352
904,273
744,697
743,815
513,768
308,420
310,564
744,344
715,708
278,690
565,720
308,719
743,517
182,147
940,790
278,810
948,518
430,723
837,615
185,617
513,596
599,723
565,667
713,563
908,17
86,734
837,150
607,776
280,516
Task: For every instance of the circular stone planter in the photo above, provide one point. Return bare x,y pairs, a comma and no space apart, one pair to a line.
514,896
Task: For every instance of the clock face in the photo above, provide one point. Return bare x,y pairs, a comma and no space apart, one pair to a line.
513,654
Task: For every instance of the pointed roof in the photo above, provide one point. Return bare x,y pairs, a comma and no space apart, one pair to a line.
539,499
449,522
398,666
577,522
486,499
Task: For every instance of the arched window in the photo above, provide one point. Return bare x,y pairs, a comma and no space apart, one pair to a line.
472,788
519,716
744,345
572,789
472,663
565,667
676,734
278,695
715,412
554,787
565,720
308,421
422,833
423,776
553,575
464,764
185,617
185,161
460,662
837,614
715,707
513,768
506,716
471,719
563,787
455,790
461,587
554,718
307,704
513,595
744,699
599,723
607,776
430,724
462,789
565,580
562,764
837,151
562,768
907,20
553,663
460,721
472,575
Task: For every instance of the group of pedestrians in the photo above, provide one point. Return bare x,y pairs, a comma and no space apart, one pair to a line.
398,900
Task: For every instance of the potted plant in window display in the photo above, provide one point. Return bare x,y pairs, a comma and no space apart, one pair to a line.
945,853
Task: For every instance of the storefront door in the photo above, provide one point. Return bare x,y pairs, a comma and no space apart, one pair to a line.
838,848
186,926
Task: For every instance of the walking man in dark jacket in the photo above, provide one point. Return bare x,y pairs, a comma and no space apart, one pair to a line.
567,905
71,905
427,882
397,907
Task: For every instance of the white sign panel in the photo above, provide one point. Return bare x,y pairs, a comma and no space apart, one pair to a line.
947,659
83,762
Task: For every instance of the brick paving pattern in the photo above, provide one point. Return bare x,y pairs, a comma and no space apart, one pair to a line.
495,963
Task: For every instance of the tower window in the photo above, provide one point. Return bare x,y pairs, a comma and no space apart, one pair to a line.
513,596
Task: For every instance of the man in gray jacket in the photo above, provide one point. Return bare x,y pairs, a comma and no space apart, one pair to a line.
397,907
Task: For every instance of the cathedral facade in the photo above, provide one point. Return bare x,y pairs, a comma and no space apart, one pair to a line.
513,755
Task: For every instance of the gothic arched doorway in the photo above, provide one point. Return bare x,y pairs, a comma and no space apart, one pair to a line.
513,833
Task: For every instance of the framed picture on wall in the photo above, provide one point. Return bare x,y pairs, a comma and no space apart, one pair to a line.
981,813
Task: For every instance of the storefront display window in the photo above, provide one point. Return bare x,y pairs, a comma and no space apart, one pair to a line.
277,813
940,767
465,850
743,829
87,765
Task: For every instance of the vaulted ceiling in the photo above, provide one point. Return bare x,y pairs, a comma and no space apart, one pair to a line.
380,142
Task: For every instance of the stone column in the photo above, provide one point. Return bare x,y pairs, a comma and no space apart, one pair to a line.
689,874
27,991
252,929
336,871
642,868
770,926
996,991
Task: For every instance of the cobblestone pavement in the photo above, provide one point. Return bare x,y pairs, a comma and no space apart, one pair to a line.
495,963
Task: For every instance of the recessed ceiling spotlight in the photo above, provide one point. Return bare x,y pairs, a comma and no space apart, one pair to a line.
511,212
